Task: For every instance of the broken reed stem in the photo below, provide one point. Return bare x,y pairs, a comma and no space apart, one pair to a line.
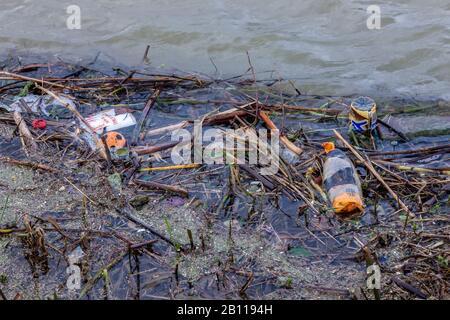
166,129
399,166
127,212
410,288
269,123
25,134
153,149
209,120
13,76
175,167
160,186
191,239
80,191
2,296
304,109
143,244
420,151
91,283
28,164
8,231
150,103
246,284
370,167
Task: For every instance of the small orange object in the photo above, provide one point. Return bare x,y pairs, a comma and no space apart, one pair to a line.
328,146
115,140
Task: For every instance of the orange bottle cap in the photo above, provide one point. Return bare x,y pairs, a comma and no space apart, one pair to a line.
115,140
328,146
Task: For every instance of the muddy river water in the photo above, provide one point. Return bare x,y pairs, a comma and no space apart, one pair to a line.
325,45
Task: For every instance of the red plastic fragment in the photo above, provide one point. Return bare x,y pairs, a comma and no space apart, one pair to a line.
39,124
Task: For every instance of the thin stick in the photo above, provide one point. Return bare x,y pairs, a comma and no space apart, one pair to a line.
90,284
84,194
150,102
175,167
145,58
163,130
24,78
2,295
28,164
370,167
208,120
160,186
127,212
141,150
412,151
399,166
304,109
269,123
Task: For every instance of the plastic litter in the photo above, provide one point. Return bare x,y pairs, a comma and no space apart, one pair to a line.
115,140
39,124
45,105
108,121
342,183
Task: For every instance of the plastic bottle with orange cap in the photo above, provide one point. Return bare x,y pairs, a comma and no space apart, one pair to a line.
342,183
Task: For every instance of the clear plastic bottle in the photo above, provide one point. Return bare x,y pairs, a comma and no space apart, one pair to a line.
342,183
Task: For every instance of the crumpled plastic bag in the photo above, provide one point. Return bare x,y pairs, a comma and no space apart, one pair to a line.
45,105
